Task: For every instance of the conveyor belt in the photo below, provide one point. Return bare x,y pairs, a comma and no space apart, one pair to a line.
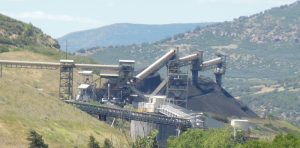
52,65
159,87
131,115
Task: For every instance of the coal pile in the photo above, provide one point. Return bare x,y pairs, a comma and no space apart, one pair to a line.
206,96
215,99
149,84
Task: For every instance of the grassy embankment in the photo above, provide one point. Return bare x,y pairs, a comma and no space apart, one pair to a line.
29,100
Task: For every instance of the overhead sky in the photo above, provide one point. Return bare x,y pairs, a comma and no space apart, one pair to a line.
59,17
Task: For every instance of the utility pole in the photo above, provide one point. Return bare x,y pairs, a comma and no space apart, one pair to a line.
66,49
108,91
1,70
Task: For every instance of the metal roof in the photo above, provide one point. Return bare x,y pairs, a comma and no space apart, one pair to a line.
109,75
66,61
86,72
126,61
83,86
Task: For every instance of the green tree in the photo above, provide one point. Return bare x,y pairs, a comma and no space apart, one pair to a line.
36,140
93,143
197,138
28,29
240,137
285,141
280,141
3,49
254,144
147,142
215,138
108,143
190,138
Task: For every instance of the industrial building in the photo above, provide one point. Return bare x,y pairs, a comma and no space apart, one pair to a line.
170,104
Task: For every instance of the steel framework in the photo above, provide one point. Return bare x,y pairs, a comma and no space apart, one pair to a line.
131,115
177,86
66,80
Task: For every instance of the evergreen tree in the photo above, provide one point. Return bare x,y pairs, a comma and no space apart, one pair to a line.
36,140
107,143
93,143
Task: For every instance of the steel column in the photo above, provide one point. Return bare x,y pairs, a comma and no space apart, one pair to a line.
66,80
1,70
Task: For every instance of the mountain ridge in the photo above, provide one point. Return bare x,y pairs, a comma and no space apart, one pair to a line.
124,34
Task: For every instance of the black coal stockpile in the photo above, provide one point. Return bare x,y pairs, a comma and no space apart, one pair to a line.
206,96
149,84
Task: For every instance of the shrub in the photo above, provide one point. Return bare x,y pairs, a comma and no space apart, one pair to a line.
3,49
147,142
93,143
28,29
36,140
107,143
7,41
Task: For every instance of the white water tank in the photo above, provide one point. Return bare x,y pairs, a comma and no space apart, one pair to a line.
240,124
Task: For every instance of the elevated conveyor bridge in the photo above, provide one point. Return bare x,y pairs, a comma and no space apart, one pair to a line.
131,115
171,110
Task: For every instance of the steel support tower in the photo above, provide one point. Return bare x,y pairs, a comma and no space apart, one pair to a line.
66,79
177,86
220,69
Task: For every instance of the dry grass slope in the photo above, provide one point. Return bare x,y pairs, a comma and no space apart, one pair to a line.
29,100
267,129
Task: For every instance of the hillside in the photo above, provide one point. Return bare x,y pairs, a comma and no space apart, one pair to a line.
19,36
267,129
123,34
17,33
29,97
29,100
263,57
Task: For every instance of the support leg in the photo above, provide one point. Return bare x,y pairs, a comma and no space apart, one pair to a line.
102,117
219,79
178,130
113,122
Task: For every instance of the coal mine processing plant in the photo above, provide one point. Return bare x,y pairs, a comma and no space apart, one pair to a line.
172,104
